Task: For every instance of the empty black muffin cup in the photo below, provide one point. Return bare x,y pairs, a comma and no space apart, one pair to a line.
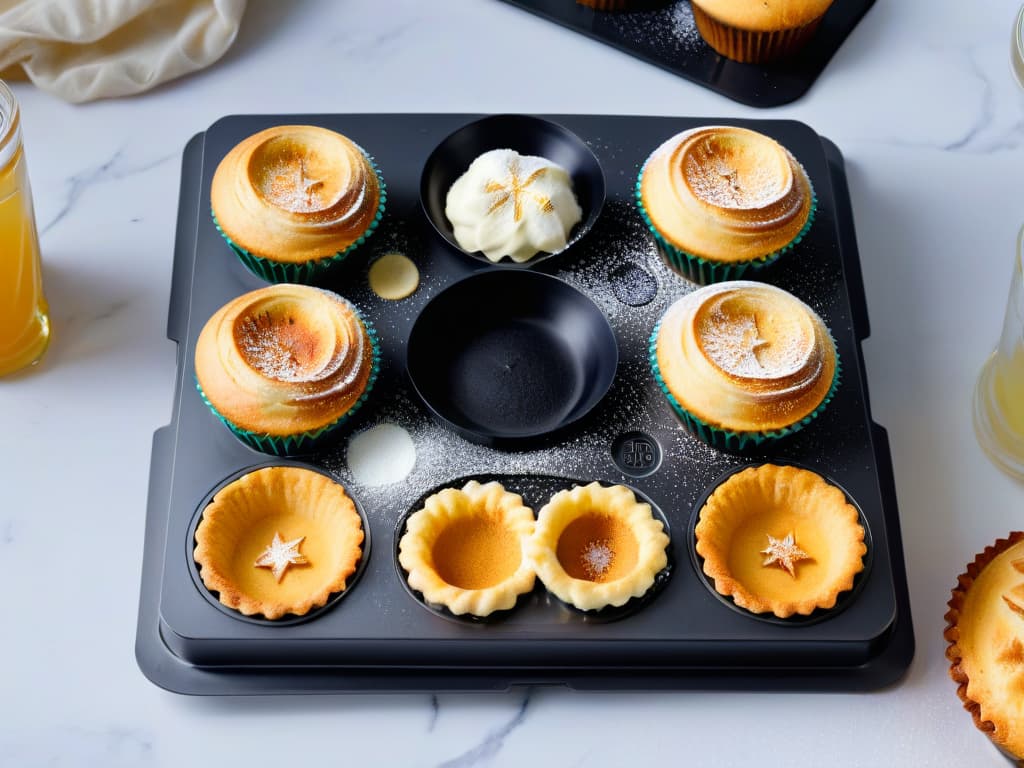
506,357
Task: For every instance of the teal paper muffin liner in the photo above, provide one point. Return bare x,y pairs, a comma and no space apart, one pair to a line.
704,271
305,272
311,440
727,439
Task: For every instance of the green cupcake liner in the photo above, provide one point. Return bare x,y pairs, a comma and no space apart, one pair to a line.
305,272
311,440
704,271
727,439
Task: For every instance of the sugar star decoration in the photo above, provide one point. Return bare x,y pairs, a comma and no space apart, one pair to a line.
785,552
514,189
280,554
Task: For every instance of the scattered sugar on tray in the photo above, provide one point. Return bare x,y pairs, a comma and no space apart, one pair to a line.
670,30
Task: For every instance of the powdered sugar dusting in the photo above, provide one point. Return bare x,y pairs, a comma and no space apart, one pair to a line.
725,186
734,344
266,349
597,558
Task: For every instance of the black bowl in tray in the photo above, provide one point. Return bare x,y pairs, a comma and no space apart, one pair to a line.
527,135
505,356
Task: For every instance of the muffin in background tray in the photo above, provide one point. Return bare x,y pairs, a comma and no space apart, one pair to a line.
294,200
284,366
718,200
758,32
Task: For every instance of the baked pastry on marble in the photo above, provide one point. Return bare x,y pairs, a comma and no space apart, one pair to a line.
283,366
278,541
985,633
720,199
465,549
293,200
760,32
596,546
743,362
781,540
513,205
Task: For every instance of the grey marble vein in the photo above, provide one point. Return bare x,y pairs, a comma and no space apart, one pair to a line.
8,534
987,111
111,170
492,743
435,712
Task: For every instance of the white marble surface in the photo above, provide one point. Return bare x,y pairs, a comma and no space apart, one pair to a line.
921,101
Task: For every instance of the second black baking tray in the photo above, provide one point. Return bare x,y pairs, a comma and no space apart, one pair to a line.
663,33
381,637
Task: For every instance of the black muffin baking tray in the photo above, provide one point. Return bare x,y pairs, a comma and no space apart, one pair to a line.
663,33
380,636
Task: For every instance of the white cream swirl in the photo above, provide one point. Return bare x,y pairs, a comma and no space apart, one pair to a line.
507,204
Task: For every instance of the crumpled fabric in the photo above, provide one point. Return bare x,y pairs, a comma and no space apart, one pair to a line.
82,50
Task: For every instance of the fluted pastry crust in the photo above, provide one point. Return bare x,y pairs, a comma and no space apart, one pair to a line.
243,518
779,501
725,194
295,193
465,549
745,356
284,359
769,16
597,546
985,632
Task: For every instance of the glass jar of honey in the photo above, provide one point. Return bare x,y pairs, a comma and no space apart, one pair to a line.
24,322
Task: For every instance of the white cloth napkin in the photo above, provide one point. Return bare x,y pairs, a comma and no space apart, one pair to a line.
81,50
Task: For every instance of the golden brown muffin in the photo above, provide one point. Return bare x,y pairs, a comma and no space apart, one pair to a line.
758,32
239,542
465,549
724,195
597,546
296,193
744,357
781,540
985,632
285,361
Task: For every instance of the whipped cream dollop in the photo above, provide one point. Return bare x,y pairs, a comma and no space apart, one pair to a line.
507,204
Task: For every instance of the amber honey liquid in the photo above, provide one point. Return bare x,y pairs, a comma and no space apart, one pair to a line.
999,397
24,324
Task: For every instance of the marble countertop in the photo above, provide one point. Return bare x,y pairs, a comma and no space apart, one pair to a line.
920,99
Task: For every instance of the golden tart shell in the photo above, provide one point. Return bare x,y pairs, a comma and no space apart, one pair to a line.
295,193
465,549
242,520
745,356
985,632
284,359
725,194
756,503
596,546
